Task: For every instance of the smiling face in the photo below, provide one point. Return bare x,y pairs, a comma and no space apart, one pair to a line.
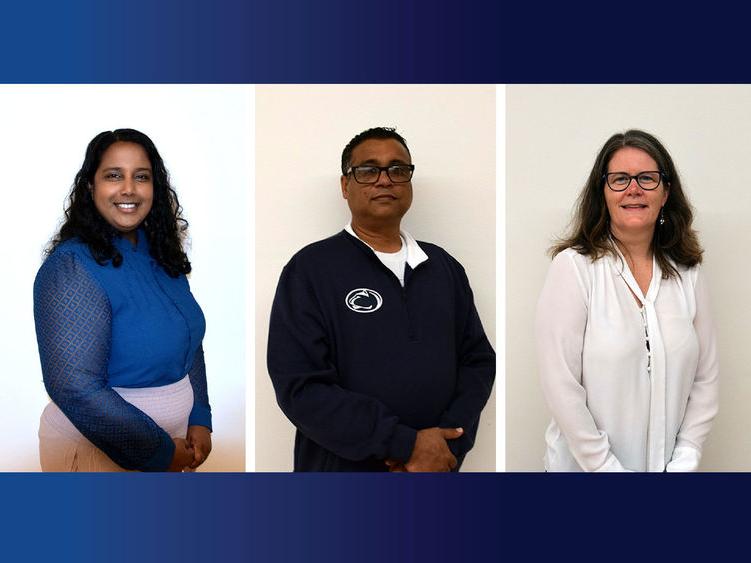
123,188
633,211
385,201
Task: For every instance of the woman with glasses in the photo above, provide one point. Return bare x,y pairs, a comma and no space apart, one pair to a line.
626,345
118,329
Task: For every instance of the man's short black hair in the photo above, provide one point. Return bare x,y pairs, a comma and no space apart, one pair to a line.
372,133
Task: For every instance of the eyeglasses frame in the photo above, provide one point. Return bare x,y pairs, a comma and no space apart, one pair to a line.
663,178
380,170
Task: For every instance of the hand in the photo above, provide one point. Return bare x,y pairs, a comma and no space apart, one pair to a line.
182,457
431,452
199,438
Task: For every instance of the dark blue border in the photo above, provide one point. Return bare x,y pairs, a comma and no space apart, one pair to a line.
363,518
388,41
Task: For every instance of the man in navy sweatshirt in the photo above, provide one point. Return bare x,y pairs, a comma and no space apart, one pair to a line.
376,351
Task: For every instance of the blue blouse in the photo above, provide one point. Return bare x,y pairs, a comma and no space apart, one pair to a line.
100,327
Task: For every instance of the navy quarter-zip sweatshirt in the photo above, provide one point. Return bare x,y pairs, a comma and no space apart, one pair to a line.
360,363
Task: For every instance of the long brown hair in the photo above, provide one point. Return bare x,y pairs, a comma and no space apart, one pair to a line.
590,233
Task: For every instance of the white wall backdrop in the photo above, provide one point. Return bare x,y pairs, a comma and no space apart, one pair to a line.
553,136
300,134
205,135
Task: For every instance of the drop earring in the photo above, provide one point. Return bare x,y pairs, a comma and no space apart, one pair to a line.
662,216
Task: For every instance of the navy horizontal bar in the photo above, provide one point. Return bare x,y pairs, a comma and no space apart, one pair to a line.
367,517
389,41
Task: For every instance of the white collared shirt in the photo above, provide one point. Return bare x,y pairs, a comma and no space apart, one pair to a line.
617,404
410,253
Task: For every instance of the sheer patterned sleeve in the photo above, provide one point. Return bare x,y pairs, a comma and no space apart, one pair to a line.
73,325
201,413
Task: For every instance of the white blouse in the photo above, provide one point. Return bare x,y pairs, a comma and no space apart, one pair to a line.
631,388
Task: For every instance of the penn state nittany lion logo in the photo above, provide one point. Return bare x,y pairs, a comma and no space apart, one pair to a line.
363,300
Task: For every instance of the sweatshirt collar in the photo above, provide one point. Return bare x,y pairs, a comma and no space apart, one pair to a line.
415,254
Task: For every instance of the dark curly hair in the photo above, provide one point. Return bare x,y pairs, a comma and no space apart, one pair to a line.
164,226
590,233
372,133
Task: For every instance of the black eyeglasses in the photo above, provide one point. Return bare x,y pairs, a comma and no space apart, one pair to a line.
368,174
619,181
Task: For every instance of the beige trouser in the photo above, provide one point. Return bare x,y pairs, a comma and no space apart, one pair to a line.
63,448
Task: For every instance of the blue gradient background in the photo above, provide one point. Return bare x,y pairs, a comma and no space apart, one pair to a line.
404,41
363,518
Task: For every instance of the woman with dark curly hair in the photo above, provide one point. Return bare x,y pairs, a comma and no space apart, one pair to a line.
626,346
118,329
